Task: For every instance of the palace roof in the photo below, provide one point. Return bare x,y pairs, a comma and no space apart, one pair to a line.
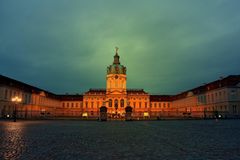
96,91
116,67
136,91
158,98
24,87
71,97
229,81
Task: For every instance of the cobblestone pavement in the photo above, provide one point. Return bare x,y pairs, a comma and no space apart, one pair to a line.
89,140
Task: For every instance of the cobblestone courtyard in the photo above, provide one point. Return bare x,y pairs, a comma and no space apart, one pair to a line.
195,139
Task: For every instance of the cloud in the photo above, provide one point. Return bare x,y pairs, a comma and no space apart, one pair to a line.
167,46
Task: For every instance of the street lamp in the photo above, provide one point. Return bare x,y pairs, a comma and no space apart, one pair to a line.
15,100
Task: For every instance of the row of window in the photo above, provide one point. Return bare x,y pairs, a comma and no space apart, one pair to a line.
217,108
216,96
115,103
212,97
9,94
28,98
132,98
72,104
159,105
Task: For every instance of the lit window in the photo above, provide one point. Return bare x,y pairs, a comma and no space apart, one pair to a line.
110,102
85,114
122,103
145,114
6,93
116,103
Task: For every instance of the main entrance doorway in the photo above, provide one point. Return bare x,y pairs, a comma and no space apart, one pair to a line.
128,115
103,113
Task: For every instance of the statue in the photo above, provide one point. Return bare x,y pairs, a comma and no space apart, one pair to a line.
116,49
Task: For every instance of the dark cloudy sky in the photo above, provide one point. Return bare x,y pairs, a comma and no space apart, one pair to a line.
168,46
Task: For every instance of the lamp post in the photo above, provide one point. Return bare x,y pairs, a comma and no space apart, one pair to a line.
15,100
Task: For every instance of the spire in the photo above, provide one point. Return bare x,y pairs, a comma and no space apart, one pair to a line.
116,57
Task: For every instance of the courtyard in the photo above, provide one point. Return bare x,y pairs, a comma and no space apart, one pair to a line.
71,139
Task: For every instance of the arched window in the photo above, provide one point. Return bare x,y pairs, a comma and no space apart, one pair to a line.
110,102
116,103
122,103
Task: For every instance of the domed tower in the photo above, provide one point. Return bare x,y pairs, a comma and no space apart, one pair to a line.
116,92
116,77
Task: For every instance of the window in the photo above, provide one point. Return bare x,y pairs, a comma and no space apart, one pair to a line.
67,104
72,105
145,104
140,104
63,105
159,105
164,105
26,100
10,94
86,103
134,104
226,108
92,105
122,103
155,105
110,102
116,103
234,109
6,93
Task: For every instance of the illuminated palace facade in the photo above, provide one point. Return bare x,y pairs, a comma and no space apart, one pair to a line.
220,98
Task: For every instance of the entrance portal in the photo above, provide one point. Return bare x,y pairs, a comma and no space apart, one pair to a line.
128,115
103,113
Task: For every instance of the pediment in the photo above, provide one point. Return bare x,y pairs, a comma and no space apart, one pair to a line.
238,85
116,92
42,94
189,94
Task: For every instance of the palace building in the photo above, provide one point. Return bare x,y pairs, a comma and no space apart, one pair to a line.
218,99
